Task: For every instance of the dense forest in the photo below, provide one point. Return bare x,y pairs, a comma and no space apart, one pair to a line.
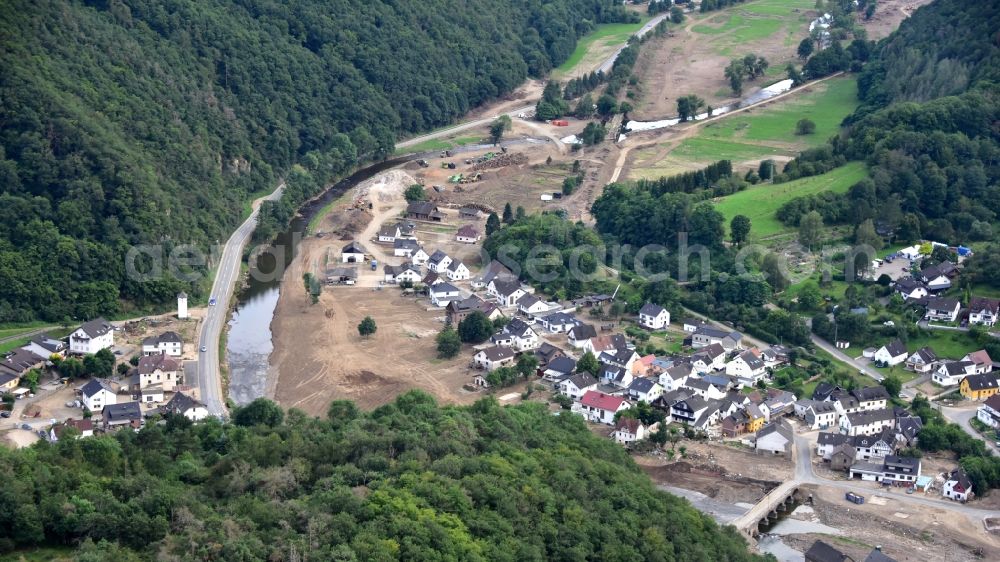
927,130
129,122
407,481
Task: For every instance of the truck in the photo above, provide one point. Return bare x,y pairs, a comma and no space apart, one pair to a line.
854,498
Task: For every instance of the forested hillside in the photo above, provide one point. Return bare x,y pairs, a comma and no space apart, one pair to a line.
408,481
139,121
927,130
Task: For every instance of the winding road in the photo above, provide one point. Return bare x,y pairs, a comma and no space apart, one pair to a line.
227,272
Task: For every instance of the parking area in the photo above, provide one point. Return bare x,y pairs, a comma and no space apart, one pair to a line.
897,268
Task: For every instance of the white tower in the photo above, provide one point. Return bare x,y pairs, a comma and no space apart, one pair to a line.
182,305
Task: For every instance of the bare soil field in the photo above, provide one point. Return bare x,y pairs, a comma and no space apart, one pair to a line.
904,532
889,15
18,438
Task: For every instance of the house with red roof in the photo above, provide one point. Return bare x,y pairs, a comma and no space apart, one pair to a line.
598,407
628,430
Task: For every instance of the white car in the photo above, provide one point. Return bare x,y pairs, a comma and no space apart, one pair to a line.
204,349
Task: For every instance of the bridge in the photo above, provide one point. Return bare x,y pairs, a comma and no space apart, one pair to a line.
767,508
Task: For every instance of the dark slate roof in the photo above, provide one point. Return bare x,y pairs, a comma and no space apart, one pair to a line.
151,363
908,285
582,380
926,354
642,385
20,361
961,477
870,393
877,555
895,348
506,286
405,244
583,331
420,208
122,412
984,381
48,343
980,304
547,353
751,359
497,353
827,438
165,337
96,327
562,364
651,309
680,371
437,257
824,390
942,303
957,367
443,288
354,247
180,403
870,416
95,386
822,552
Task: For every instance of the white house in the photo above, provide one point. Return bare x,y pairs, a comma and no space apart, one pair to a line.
97,394
943,309
92,337
820,415
493,358
628,430
507,290
747,366
989,412
167,343
922,360
155,370
910,288
705,336
958,486
691,325
577,385
405,248
774,438
579,336
892,353
388,233
654,317
558,322
457,271
84,426
152,394
530,305
467,234
438,262
867,422
44,346
710,358
490,272
559,368
704,388
615,376
981,360
186,406
405,273
983,311
644,390
951,373
598,407
442,293
516,334
674,377
353,252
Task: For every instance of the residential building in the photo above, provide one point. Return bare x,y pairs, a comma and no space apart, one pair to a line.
644,390
468,234
984,311
546,353
388,233
8,382
457,271
675,377
516,334
867,422
612,343
577,385
615,375
406,248
707,335
493,358
530,305
579,335
84,426
691,324
687,410
989,412
943,309
97,394
709,358
44,346
439,262
748,366
598,407
871,397
92,337
704,388
155,370
629,430
910,288
120,415
620,356
19,361
893,469
890,354
827,442
342,275
186,406
469,213
774,438
507,290
493,270
774,356
951,373
822,552
353,252
405,273
821,415
981,360
457,310
424,211
876,555
654,316
735,424
756,417
558,322
443,293
168,343
979,387
874,448
922,360
842,457
958,486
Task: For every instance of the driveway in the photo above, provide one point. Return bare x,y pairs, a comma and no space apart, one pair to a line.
860,364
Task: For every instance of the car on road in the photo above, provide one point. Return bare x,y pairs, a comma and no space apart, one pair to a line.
204,349
4,414
211,301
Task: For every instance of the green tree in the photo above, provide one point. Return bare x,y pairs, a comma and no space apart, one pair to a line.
810,229
805,48
588,364
735,73
892,384
607,106
676,15
498,127
585,107
367,327
809,297
519,213
492,224
508,214
773,271
795,75
688,106
475,328
805,127
766,169
448,343
259,412
415,192
527,363
739,229
865,234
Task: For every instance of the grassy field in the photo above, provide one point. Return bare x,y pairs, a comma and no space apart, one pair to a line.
438,144
824,104
605,35
760,202
730,32
8,330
